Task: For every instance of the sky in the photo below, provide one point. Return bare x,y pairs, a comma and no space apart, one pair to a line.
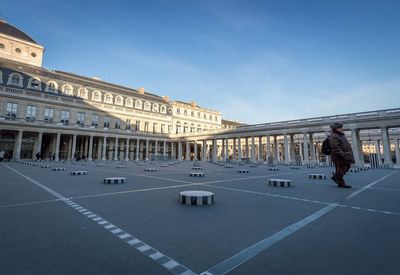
254,61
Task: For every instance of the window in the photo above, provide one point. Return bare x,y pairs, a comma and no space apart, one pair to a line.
192,113
2,46
169,129
147,106
178,128
204,116
18,50
185,128
138,104
15,79
128,124
185,112
198,128
163,128
51,87
129,102
163,109
96,96
65,117
11,110
48,114
106,122
80,120
67,89
33,54
117,124
154,127
146,126
95,121
178,110
108,98
83,93
137,126
198,114
34,83
155,108
192,128
119,100
30,113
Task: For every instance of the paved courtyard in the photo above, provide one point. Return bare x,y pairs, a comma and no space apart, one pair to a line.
56,223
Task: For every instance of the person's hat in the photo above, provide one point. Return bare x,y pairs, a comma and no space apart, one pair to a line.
336,125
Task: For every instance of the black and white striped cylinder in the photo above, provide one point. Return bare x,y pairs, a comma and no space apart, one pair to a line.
196,174
310,166
45,166
273,169
317,176
241,164
243,171
221,164
79,173
58,169
294,167
150,169
228,166
114,180
354,170
197,198
280,183
120,166
253,166
197,168
99,164
164,165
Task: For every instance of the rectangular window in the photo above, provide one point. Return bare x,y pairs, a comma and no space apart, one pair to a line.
117,124
137,126
163,128
106,122
11,111
30,113
146,126
154,127
48,114
95,121
128,124
178,111
65,117
169,129
80,120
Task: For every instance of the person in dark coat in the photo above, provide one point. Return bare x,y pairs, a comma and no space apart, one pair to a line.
341,154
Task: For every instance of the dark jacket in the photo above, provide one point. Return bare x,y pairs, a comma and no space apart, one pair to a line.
341,149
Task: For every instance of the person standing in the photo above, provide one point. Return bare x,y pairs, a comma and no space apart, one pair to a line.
341,154
1,155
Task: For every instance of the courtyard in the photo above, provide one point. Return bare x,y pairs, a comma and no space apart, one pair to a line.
57,223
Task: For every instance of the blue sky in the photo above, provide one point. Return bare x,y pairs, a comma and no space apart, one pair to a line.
255,61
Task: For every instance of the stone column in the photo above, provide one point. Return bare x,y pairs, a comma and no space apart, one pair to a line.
103,155
276,150
90,157
147,150
239,149
214,150
247,147
73,147
268,149
179,151
116,149
187,156
305,148
165,148
58,138
127,150
195,150
39,143
378,151
260,149
312,148
204,150
17,150
223,150
85,153
386,148
156,148
173,150
397,151
69,147
226,149
234,149
253,149
287,151
356,146
137,157
292,148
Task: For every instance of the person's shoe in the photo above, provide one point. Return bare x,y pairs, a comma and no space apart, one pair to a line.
344,186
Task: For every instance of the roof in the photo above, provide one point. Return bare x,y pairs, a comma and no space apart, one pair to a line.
10,30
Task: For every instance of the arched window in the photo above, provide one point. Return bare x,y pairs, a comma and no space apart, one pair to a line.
51,87
83,93
155,108
15,79
96,96
129,102
108,98
163,109
138,104
119,100
192,128
34,83
185,127
67,89
147,106
178,127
